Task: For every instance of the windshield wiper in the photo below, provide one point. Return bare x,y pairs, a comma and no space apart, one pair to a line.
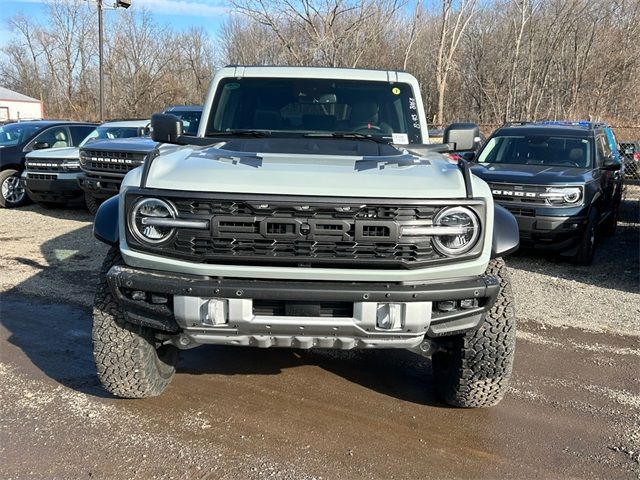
349,135
240,133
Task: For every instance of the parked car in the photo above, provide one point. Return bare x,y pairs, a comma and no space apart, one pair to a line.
105,159
189,115
631,157
292,220
561,180
51,176
19,138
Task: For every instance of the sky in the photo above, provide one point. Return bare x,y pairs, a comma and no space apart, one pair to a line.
180,14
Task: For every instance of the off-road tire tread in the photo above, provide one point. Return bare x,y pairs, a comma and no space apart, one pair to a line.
92,203
124,353
476,367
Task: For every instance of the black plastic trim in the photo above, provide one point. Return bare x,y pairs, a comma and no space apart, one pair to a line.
201,286
105,226
506,234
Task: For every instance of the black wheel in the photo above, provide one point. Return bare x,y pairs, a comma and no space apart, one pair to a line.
473,369
130,361
12,191
587,247
92,203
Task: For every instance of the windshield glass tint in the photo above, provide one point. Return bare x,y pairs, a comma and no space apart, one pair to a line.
102,133
299,106
17,133
537,150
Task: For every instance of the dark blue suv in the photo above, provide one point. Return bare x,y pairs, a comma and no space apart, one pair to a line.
561,180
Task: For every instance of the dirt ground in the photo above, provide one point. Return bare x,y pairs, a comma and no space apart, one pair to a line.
573,410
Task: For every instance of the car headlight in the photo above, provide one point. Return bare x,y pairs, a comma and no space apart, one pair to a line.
71,165
562,195
461,229
150,220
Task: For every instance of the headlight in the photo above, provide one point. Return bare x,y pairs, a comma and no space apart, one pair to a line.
562,195
464,228
148,220
70,165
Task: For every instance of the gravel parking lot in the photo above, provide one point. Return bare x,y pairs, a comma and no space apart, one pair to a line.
573,409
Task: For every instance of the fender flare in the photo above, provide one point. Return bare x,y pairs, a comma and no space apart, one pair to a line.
105,225
506,234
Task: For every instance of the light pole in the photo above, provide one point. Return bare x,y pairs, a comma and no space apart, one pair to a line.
118,3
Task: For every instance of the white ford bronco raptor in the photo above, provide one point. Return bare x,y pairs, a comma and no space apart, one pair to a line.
308,212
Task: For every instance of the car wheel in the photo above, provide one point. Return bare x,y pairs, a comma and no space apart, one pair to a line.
474,369
587,247
130,361
12,191
92,203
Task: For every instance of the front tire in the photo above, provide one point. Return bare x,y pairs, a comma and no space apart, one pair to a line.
12,191
473,369
587,248
129,360
92,203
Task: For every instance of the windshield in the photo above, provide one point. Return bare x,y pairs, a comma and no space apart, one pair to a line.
297,106
190,120
17,133
551,151
103,133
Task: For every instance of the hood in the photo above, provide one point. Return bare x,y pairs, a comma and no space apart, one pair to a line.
529,174
211,169
132,145
55,153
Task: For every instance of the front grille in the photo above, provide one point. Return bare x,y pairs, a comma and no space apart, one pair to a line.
111,162
522,212
43,165
521,194
306,232
42,176
284,308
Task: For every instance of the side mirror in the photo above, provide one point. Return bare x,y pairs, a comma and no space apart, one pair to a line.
464,136
165,128
40,145
611,164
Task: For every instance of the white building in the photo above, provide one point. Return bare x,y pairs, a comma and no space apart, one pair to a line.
15,106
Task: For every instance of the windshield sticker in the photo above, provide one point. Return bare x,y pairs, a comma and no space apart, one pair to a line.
395,91
412,104
400,138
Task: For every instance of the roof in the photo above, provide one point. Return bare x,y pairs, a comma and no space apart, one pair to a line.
567,130
328,73
10,95
184,108
46,123
127,123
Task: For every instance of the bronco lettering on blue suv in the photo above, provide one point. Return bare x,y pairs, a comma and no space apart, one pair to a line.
307,212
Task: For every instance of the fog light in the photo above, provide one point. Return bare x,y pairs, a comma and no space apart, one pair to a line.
446,305
138,295
216,312
389,316
468,303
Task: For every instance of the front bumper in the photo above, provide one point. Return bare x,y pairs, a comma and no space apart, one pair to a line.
547,232
178,304
52,187
101,186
